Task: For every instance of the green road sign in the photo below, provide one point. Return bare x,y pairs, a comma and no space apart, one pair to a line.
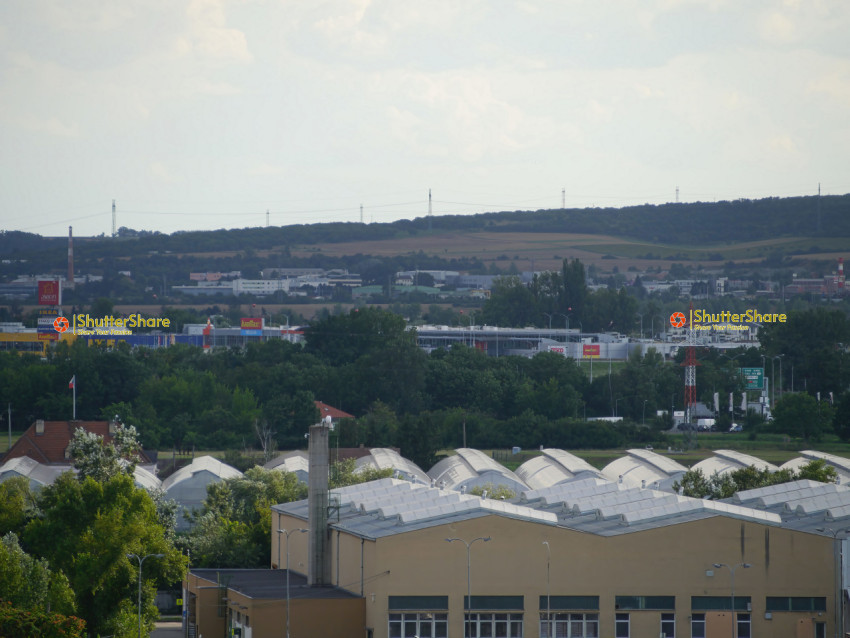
754,378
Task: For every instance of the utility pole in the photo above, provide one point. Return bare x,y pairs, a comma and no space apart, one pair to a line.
114,232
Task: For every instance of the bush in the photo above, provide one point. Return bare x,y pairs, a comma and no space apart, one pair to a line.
38,624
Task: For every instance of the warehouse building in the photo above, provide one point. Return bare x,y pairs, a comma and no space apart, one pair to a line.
588,557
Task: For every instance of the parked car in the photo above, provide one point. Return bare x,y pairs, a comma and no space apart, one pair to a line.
736,428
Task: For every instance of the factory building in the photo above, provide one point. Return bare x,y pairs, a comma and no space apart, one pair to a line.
588,557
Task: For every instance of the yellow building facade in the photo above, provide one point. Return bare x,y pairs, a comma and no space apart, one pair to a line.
584,559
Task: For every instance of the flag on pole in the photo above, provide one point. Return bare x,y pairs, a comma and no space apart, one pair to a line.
72,382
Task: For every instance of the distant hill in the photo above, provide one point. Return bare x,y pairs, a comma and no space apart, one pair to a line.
696,224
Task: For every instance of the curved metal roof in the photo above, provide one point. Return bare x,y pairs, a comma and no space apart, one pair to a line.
201,464
472,468
724,461
841,464
554,466
645,468
385,458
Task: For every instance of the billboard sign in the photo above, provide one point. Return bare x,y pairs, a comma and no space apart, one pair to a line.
754,378
45,328
48,292
251,326
590,350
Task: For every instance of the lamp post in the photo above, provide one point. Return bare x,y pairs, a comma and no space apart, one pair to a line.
548,597
286,533
732,572
641,323
643,415
839,599
468,631
141,560
550,318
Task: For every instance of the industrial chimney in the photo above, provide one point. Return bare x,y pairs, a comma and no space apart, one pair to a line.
319,566
70,282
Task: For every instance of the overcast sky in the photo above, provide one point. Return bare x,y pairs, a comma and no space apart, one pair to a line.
206,114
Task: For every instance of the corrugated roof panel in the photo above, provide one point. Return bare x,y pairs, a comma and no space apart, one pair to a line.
654,501
574,487
587,490
739,511
819,489
613,500
755,494
837,513
807,506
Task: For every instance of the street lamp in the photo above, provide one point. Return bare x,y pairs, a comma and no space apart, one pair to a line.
839,599
550,318
286,534
732,572
641,323
468,587
548,597
643,416
141,560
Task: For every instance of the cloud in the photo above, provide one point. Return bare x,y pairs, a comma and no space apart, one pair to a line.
209,35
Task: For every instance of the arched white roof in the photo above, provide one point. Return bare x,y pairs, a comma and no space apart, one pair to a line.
297,462
381,458
645,468
725,461
37,473
841,464
555,466
472,468
188,485
146,479
201,464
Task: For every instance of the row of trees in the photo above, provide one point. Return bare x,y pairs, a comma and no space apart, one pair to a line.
367,363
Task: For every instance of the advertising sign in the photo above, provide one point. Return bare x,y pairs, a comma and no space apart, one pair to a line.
46,330
590,350
754,378
48,292
251,323
251,326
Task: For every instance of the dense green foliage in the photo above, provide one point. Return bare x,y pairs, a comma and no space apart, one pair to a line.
234,527
29,583
36,623
717,486
366,362
85,529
